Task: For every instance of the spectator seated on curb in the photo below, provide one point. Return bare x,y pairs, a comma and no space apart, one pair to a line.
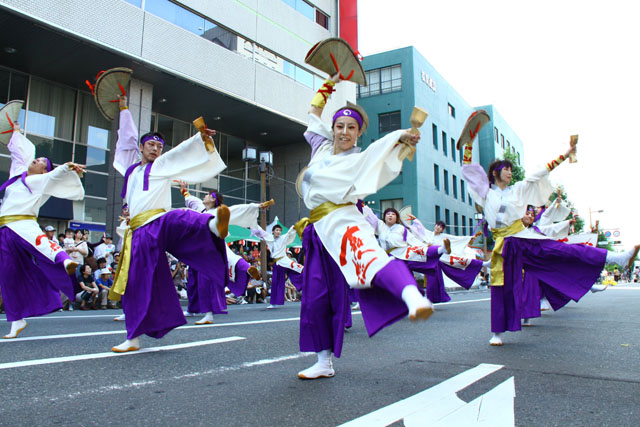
104,283
89,294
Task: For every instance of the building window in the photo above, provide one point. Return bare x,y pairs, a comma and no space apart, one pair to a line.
456,230
444,143
453,149
464,225
454,180
518,158
388,122
390,203
382,80
434,134
437,213
446,182
463,196
461,155
502,140
495,135
436,176
447,219
452,111
470,202
322,19
508,146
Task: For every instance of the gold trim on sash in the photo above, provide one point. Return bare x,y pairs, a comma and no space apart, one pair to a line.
317,214
497,272
4,220
277,259
122,274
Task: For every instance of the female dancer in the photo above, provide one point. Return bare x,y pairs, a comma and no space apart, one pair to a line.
340,245
568,269
432,260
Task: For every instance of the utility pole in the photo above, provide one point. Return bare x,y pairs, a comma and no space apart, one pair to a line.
263,219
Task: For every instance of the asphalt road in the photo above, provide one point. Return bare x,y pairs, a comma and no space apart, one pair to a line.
579,366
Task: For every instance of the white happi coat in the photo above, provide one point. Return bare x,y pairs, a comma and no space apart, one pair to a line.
346,178
278,247
61,182
241,215
189,161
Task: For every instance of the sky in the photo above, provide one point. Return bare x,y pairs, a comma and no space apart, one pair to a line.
552,69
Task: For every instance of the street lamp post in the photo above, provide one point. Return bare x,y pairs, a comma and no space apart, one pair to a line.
266,159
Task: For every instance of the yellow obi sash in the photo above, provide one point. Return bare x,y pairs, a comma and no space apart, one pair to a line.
278,259
122,274
497,272
317,214
4,220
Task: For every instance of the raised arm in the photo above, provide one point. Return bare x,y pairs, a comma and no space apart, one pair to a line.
191,202
22,151
127,151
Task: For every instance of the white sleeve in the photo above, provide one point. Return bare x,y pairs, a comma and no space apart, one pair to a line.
535,189
245,215
60,182
22,153
189,161
194,203
127,151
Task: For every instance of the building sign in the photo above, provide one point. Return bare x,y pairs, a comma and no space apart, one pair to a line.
426,78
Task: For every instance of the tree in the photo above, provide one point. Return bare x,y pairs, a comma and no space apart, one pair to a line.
517,172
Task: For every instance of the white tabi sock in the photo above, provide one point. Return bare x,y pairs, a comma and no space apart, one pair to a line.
620,258
128,345
16,327
486,263
440,250
323,368
206,320
419,307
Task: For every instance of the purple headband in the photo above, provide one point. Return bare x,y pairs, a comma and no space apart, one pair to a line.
498,168
215,199
348,112
151,137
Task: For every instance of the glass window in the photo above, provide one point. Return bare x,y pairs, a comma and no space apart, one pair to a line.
456,230
322,19
453,149
437,213
452,111
436,176
288,68
462,191
96,159
4,86
447,219
388,122
93,127
174,131
446,182
434,135
390,203
502,140
306,9
5,166
56,150
444,143
176,15
495,135
454,182
95,210
373,82
95,184
51,110
18,87
464,225
221,36
304,77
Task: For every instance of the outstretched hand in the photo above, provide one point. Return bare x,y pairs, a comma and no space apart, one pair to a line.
77,168
409,137
571,150
181,183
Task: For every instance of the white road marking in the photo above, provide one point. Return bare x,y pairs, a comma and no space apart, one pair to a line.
99,333
80,357
140,384
439,405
